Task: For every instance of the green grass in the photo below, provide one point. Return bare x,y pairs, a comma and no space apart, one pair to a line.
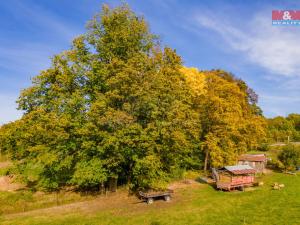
3,171
201,205
3,157
25,200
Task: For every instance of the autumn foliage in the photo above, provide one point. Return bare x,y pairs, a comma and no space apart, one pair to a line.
118,105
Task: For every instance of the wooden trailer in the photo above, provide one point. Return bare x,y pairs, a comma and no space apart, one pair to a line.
231,177
150,196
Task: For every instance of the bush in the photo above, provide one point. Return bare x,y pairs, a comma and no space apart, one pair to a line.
290,157
264,147
89,173
275,164
149,174
4,171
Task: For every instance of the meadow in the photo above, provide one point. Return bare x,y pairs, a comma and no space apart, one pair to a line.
191,204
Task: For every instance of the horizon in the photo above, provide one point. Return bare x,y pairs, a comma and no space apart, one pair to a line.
239,38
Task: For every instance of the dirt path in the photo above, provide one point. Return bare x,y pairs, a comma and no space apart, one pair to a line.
119,203
5,164
113,200
7,183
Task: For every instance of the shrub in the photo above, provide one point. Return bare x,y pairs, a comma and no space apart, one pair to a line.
290,157
275,164
149,174
264,147
4,171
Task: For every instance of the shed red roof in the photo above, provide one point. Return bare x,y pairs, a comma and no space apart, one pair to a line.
239,172
253,158
240,169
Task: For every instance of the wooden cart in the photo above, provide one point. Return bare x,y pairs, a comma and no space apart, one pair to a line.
150,196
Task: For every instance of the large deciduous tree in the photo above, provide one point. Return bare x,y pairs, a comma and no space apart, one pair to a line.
114,106
231,121
118,106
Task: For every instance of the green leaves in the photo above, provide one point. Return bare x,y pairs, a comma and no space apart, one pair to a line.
89,173
118,105
281,129
148,173
290,157
119,33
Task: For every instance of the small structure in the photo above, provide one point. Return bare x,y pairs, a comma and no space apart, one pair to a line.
231,177
256,161
150,196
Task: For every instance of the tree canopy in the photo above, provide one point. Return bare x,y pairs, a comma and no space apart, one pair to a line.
118,105
283,129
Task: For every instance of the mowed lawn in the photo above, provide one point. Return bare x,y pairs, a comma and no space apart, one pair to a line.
199,204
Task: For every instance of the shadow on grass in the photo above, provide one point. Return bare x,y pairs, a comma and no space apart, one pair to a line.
207,180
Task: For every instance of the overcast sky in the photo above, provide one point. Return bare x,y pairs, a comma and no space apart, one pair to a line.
230,35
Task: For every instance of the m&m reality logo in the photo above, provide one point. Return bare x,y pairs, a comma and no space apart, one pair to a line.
286,17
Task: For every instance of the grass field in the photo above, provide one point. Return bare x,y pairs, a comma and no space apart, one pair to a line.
196,204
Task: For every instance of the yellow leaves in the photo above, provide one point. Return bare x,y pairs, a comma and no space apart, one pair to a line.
115,119
195,80
227,117
214,149
38,148
117,100
179,138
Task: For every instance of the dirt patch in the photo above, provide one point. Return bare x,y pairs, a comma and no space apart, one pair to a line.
268,171
119,203
7,184
5,164
184,184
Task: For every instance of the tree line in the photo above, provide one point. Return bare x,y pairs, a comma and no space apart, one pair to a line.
284,129
120,106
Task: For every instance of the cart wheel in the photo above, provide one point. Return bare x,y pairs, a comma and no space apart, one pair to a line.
149,201
167,198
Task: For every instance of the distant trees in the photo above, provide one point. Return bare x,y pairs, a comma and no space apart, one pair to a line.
295,120
118,106
280,129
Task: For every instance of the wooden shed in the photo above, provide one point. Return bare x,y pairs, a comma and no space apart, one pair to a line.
230,177
256,161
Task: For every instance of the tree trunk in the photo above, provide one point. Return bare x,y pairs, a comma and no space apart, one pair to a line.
113,182
206,160
101,188
129,174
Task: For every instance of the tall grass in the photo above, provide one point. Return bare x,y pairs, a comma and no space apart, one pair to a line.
21,201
